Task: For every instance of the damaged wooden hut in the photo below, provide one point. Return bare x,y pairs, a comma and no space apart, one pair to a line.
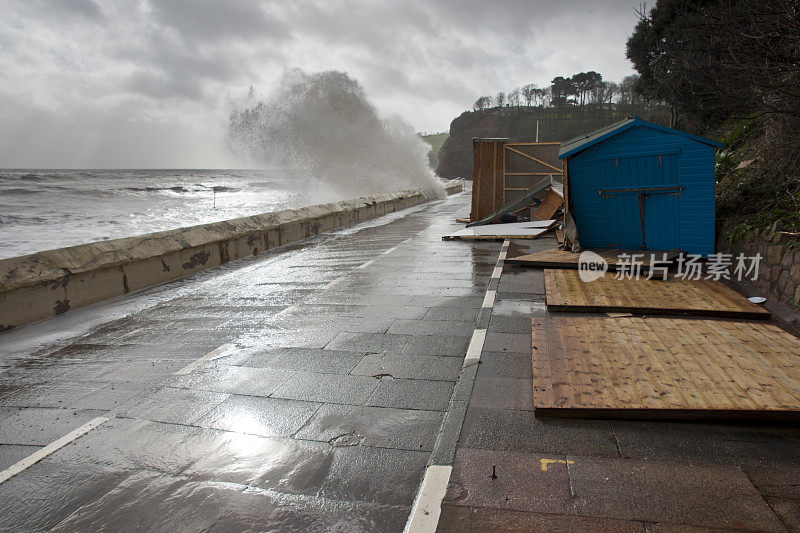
638,185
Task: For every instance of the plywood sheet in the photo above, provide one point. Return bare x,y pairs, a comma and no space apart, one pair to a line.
663,368
566,291
557,258
514,230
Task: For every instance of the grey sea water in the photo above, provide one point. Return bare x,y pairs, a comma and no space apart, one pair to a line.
45,209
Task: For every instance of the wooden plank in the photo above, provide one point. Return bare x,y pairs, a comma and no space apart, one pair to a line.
558,258
664,368
529,174
523,154
535,144
552,202
566,291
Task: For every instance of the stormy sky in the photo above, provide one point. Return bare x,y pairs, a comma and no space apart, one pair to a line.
149,83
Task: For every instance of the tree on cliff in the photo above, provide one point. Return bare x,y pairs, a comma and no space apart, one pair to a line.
484,102
529,93
500,99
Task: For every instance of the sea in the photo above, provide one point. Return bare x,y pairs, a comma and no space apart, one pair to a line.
46,209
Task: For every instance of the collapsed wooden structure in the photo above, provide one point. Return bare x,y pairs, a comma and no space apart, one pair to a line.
504,172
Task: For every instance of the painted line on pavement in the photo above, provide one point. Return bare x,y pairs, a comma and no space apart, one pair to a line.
427,507
287,310
332,283
503,255
475,347
365,265
390,250
488,300
506,243
38,455
497,272
202,360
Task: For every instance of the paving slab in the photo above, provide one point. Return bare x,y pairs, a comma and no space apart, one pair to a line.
502,393
254,415
176,406
693,443
328,388
439,345
40,426
456,518
539,490
412,394
505,365
374,426
508,342
313,360
409,366
12,453
234,380
517,430
368,342
717,496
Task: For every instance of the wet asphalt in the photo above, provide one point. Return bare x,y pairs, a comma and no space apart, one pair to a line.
336,364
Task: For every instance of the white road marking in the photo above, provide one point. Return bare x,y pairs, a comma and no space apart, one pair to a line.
497,272
427,507
488,300
202,360
332,283
407,240
506,243
40,454
503,255
287,310
365,265
390,250
475,347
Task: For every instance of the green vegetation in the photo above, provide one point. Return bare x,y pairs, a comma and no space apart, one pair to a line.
436,140
731,70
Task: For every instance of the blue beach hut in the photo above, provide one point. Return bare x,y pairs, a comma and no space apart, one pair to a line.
638,185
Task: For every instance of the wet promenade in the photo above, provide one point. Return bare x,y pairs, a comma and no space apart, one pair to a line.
332,366
315,387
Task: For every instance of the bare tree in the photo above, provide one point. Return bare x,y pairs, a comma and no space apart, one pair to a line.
500,99
528,93
513,97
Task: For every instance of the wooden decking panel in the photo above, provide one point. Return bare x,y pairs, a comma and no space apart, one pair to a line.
557,258
567,292
663,368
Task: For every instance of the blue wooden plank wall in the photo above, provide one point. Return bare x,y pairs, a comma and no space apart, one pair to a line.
645,157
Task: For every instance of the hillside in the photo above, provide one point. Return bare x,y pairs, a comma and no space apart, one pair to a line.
519,124
436,140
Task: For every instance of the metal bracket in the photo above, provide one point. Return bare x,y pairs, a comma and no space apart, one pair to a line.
675,189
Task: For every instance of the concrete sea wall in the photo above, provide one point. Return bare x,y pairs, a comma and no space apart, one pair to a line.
49,283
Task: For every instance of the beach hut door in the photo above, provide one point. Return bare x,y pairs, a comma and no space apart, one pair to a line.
642,202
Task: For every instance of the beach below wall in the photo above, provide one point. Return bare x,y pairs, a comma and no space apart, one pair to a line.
45,284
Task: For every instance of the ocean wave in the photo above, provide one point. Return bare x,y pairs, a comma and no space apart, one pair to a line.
19,219
21,191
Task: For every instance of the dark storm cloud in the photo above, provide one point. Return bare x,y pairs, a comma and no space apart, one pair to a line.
84,64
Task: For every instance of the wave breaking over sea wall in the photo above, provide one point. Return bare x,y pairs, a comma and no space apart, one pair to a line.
323,125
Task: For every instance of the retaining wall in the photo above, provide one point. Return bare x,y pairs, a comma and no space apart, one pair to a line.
49,283
779,269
